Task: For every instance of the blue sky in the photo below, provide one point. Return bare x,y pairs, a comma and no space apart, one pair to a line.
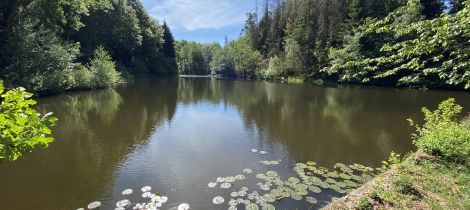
201,20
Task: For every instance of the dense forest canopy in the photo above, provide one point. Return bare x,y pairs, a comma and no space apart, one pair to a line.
418,43
57,45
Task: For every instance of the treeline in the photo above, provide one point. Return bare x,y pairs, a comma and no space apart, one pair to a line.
419,43
55,45
235,58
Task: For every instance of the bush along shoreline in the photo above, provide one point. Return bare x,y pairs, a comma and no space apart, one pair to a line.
436,176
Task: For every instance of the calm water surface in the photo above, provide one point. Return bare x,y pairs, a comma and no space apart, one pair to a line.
177,135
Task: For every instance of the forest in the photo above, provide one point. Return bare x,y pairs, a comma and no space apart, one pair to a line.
406,43
51,46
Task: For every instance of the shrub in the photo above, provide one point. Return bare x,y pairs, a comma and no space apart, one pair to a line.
275,67
22,129
83,77
442,135
103,69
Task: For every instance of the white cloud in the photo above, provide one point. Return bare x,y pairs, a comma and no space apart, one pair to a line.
200,14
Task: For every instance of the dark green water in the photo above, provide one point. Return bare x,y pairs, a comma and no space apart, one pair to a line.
177,135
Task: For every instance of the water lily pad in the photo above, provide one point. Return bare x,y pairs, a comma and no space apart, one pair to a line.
269,197
212,184
260,176
247,171
183,206
293,180
240,177
274,162
332,174
330,181
251,206
302,192
351,183
230,179
272,173
301,165
127,192
311,200
265,187
233,202
311,163
234,194
268,207
344,176
220,179
225,185
265,162
233,207
244,189
314,189
123,203
146,194
242,193
296,196
94,205
218,200
146,189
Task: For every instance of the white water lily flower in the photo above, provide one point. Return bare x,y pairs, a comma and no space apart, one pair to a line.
220,179
234,194
123,203
183,206
80,209
218,200
245,189
146,189
230,179
225,185
212,184
120,208
241,193
262,152
247,171
94,205
254,150
232,207
163,199
127,192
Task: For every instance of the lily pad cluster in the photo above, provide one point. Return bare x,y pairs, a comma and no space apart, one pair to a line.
310,180
153,201
342,179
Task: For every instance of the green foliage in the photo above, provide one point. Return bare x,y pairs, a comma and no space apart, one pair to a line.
409,50
275,68
363,203
393,159
103,70
442,134
404,184
22,129
45,43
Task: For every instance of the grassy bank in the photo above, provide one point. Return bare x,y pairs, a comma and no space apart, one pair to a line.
437,176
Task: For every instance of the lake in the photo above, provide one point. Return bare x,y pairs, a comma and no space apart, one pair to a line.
178,135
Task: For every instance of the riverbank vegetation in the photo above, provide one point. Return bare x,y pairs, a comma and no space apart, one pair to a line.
54,46
437,176
414,43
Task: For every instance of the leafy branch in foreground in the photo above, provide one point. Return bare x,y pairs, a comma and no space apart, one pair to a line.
22,129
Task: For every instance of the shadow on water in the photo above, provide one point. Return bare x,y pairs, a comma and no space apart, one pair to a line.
180,134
